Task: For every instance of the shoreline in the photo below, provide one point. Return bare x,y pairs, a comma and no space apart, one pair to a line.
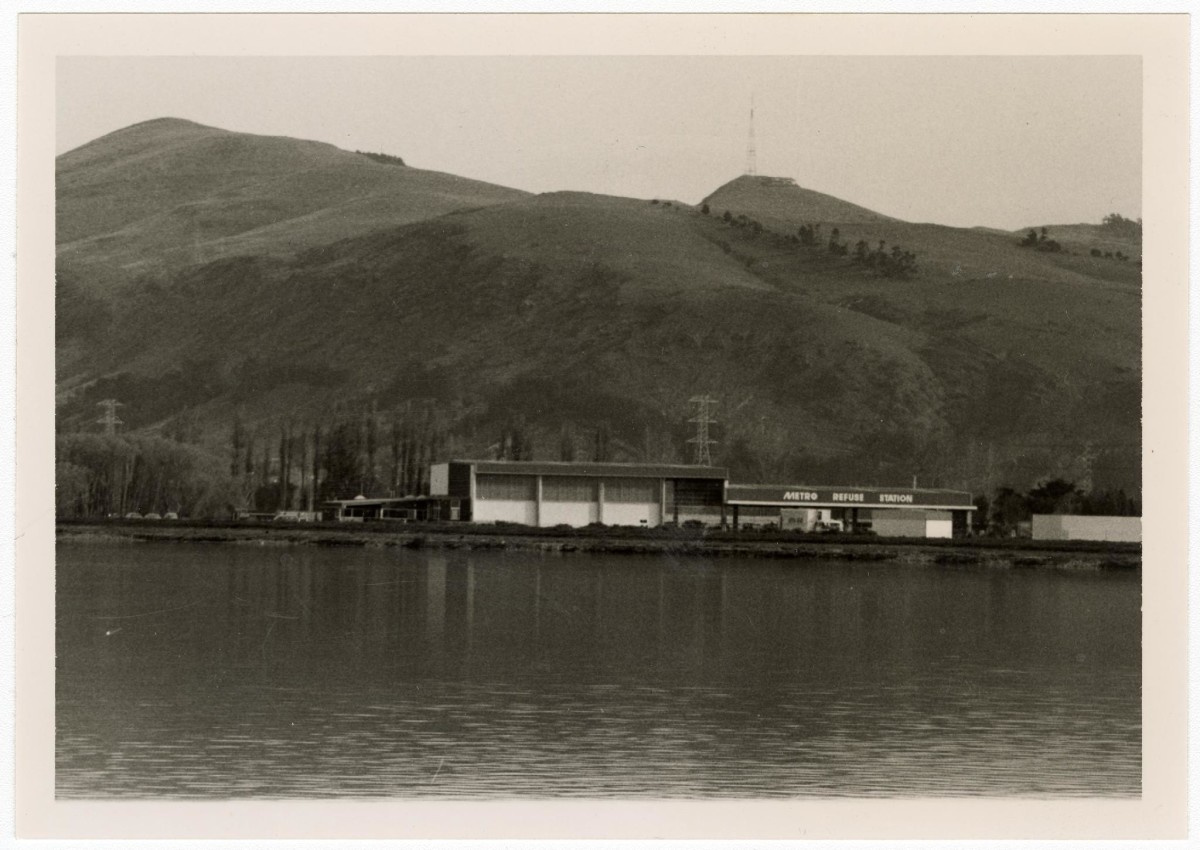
632,541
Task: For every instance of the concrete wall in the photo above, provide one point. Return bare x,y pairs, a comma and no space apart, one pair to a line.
569,513
1063,527
935,527
631,513
505,510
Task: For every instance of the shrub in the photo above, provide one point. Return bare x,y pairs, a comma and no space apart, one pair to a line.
385,159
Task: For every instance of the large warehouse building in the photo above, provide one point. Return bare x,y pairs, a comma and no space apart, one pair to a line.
889,512
578,494
548,494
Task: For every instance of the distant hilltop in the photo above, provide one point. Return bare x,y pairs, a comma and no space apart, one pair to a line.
779,200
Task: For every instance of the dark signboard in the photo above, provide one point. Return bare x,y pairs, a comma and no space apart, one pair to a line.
850,497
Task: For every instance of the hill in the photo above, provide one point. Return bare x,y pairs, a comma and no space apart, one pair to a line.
780,203
583,323
1108,239
163,195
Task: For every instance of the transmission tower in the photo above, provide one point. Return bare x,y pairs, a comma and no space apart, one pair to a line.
751,152
704,405
109,419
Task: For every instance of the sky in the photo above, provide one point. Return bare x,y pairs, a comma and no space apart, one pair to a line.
1003,142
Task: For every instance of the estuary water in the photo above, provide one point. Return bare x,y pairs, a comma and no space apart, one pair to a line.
234,671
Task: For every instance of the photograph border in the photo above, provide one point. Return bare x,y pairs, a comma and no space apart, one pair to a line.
1163,43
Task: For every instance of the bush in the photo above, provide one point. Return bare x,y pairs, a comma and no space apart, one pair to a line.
383,158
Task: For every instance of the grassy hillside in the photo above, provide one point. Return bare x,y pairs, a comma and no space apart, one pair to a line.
570,314
163,195
780,203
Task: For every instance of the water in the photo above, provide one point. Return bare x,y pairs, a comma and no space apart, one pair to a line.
219,671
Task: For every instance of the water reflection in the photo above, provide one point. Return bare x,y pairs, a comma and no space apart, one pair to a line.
222,671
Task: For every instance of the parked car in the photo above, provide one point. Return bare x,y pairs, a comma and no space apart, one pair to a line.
133,515
152,515
170,515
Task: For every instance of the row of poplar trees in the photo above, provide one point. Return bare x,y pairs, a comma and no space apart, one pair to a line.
304,464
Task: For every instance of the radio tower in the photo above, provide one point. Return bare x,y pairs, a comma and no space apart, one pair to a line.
703,418
751,153
109,420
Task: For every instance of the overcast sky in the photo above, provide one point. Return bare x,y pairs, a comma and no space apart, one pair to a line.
994,141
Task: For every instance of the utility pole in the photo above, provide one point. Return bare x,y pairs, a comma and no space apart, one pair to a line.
109,419
704,405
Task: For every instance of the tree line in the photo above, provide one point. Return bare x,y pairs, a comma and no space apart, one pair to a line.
352,453
114,474
895,263
1114,224
288,465
1007,508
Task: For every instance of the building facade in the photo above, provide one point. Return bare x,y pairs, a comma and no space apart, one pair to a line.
1125,529
547,494
888,512
397,509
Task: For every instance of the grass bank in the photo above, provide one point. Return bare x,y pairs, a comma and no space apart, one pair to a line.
665,541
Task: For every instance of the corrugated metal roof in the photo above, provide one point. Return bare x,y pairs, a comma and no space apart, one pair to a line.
606,470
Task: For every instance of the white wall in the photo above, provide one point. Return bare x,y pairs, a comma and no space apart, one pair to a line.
631,513
502,510
577,514
939,528
1063,527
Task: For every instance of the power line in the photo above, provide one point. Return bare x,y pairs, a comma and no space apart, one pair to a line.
109,419
703,418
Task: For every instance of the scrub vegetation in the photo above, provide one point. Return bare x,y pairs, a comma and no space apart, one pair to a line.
212,281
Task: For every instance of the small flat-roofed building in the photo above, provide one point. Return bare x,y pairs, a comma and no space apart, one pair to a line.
397,509
547,493
1127,529
887,511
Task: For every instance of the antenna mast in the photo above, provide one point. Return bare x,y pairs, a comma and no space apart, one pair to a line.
751,153
703,418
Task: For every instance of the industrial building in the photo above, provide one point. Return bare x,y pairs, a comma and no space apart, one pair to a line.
888,512
547,494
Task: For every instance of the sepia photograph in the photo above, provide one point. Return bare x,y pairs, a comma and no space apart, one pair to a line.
699,427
